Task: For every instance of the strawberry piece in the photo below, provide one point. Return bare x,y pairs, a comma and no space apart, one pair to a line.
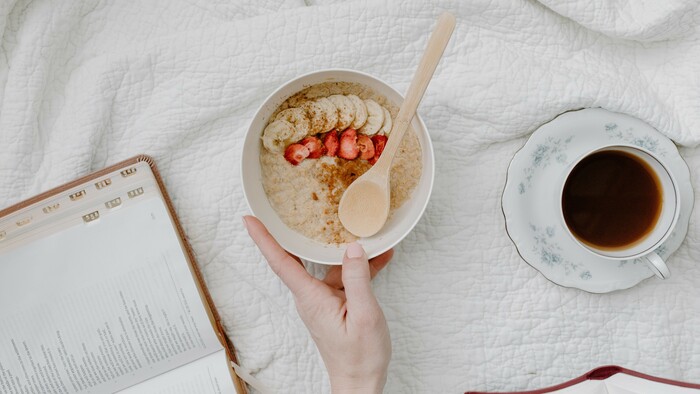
348,145
330,141
295,153
366,147
315,147
379,144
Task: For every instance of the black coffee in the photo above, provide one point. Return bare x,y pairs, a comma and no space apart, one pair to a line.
611,199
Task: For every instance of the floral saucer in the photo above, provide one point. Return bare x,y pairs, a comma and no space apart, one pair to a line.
531,206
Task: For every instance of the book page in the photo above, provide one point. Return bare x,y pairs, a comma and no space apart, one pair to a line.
585,387
100,306
622,383
210,374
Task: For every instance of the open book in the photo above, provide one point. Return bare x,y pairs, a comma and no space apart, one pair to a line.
99,292
612,379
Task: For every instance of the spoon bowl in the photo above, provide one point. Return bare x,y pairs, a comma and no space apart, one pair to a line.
367,203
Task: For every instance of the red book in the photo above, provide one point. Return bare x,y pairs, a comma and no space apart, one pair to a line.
612,379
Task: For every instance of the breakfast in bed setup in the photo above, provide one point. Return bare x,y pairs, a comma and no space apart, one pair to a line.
533,164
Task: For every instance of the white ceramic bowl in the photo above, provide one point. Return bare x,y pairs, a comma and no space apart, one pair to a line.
399,224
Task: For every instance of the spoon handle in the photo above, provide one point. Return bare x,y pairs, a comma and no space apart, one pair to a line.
431,57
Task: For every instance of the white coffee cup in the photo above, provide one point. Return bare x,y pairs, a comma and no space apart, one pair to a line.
645,247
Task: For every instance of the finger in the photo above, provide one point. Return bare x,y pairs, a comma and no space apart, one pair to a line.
334,279
356,278
378,263
285,266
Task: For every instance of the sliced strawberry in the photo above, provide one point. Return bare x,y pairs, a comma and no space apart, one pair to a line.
366,147
315,147
379,144
348,145
330,141
295,153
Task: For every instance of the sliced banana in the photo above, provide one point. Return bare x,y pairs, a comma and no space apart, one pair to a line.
315,112
375,118
331,113
317,91
386,127
322,113
346,110
311,93
297,117
360,111
277,134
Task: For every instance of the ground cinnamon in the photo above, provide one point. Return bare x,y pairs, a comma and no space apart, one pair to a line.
336,178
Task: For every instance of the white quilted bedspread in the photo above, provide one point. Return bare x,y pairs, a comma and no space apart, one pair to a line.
89,83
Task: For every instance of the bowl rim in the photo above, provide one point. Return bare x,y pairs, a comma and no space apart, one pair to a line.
417,117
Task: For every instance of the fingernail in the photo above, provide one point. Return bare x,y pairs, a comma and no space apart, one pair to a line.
245,223
355,250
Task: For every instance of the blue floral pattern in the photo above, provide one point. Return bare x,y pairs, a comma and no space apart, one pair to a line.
551,149
550,253
662,251
625,262
628,135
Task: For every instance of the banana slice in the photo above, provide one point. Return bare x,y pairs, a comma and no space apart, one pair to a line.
386,127
375,118
311,93
331,113
360,111
315,112
297,117
346,110
317,91
323,115
277,134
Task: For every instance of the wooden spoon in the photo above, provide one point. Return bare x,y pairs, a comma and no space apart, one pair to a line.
364,207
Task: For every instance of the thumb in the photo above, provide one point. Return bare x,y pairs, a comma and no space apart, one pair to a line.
356,278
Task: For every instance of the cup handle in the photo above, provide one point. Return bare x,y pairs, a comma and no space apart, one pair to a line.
657,265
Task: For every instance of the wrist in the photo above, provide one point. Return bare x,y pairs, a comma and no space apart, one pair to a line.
367,385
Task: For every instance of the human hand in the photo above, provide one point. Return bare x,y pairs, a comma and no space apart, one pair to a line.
340,312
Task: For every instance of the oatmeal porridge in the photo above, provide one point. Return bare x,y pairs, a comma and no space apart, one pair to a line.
318,142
